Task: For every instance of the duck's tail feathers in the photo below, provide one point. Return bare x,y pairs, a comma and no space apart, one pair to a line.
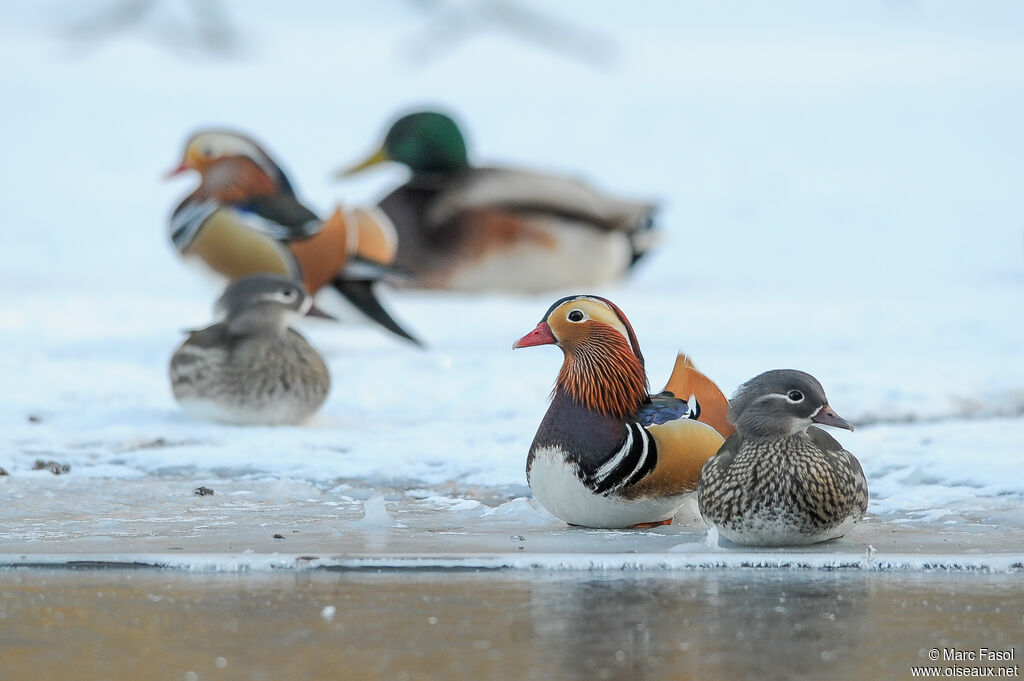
361,293
643,237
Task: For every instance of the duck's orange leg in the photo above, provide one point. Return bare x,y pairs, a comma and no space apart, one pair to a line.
647,526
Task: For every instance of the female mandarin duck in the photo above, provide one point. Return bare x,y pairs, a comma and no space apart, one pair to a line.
778,480
251,367
470,228
244,218
607,453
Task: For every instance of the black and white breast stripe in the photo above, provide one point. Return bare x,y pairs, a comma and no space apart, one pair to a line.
637,457
188,219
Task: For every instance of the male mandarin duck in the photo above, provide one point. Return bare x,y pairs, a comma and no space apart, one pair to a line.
252,367
778,480
470,228
608,453
244,218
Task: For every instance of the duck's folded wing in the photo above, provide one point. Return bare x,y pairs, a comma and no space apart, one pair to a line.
708,497
522,190
283,217
851,466
194,355
239,182
661,409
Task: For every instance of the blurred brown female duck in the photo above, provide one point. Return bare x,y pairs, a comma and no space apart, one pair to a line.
251,367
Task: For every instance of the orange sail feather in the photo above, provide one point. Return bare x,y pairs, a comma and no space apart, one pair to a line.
686,380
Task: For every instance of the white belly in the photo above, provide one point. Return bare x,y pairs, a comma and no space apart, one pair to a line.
556,487
581,256
779,533
283,412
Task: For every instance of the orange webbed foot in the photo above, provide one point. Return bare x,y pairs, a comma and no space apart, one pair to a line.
647,526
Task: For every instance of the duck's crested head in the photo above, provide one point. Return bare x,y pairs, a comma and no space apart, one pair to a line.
781,403
425,141
262,301
578,320
206,147
603,367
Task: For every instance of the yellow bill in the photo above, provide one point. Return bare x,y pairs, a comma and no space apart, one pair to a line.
379,156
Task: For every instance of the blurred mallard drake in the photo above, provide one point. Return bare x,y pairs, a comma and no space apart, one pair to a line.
471,228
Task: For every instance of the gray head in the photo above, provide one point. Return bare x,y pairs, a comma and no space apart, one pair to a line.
781,403
262,302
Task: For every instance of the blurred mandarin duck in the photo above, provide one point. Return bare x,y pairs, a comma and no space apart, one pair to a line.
244,218
608,453
779,480
469,228
252,367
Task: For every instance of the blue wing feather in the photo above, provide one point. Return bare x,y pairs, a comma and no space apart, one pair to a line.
662,409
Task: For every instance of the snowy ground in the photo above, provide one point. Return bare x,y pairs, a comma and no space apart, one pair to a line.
841,194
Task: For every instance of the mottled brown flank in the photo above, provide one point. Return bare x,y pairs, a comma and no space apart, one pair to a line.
230,247
601,372
476,235
471,238
684,446
498,229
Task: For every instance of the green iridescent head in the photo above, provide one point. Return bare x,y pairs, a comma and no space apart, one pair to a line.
426,142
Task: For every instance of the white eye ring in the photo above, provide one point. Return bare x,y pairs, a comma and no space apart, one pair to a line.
576,316
794,396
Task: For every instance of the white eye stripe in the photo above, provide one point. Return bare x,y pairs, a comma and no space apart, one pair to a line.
284,296
213,145
781,396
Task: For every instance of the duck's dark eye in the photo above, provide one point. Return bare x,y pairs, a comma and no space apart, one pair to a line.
795,396
575,316
289,293
207,152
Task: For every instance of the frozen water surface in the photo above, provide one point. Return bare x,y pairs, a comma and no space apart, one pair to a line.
725,624
840,195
